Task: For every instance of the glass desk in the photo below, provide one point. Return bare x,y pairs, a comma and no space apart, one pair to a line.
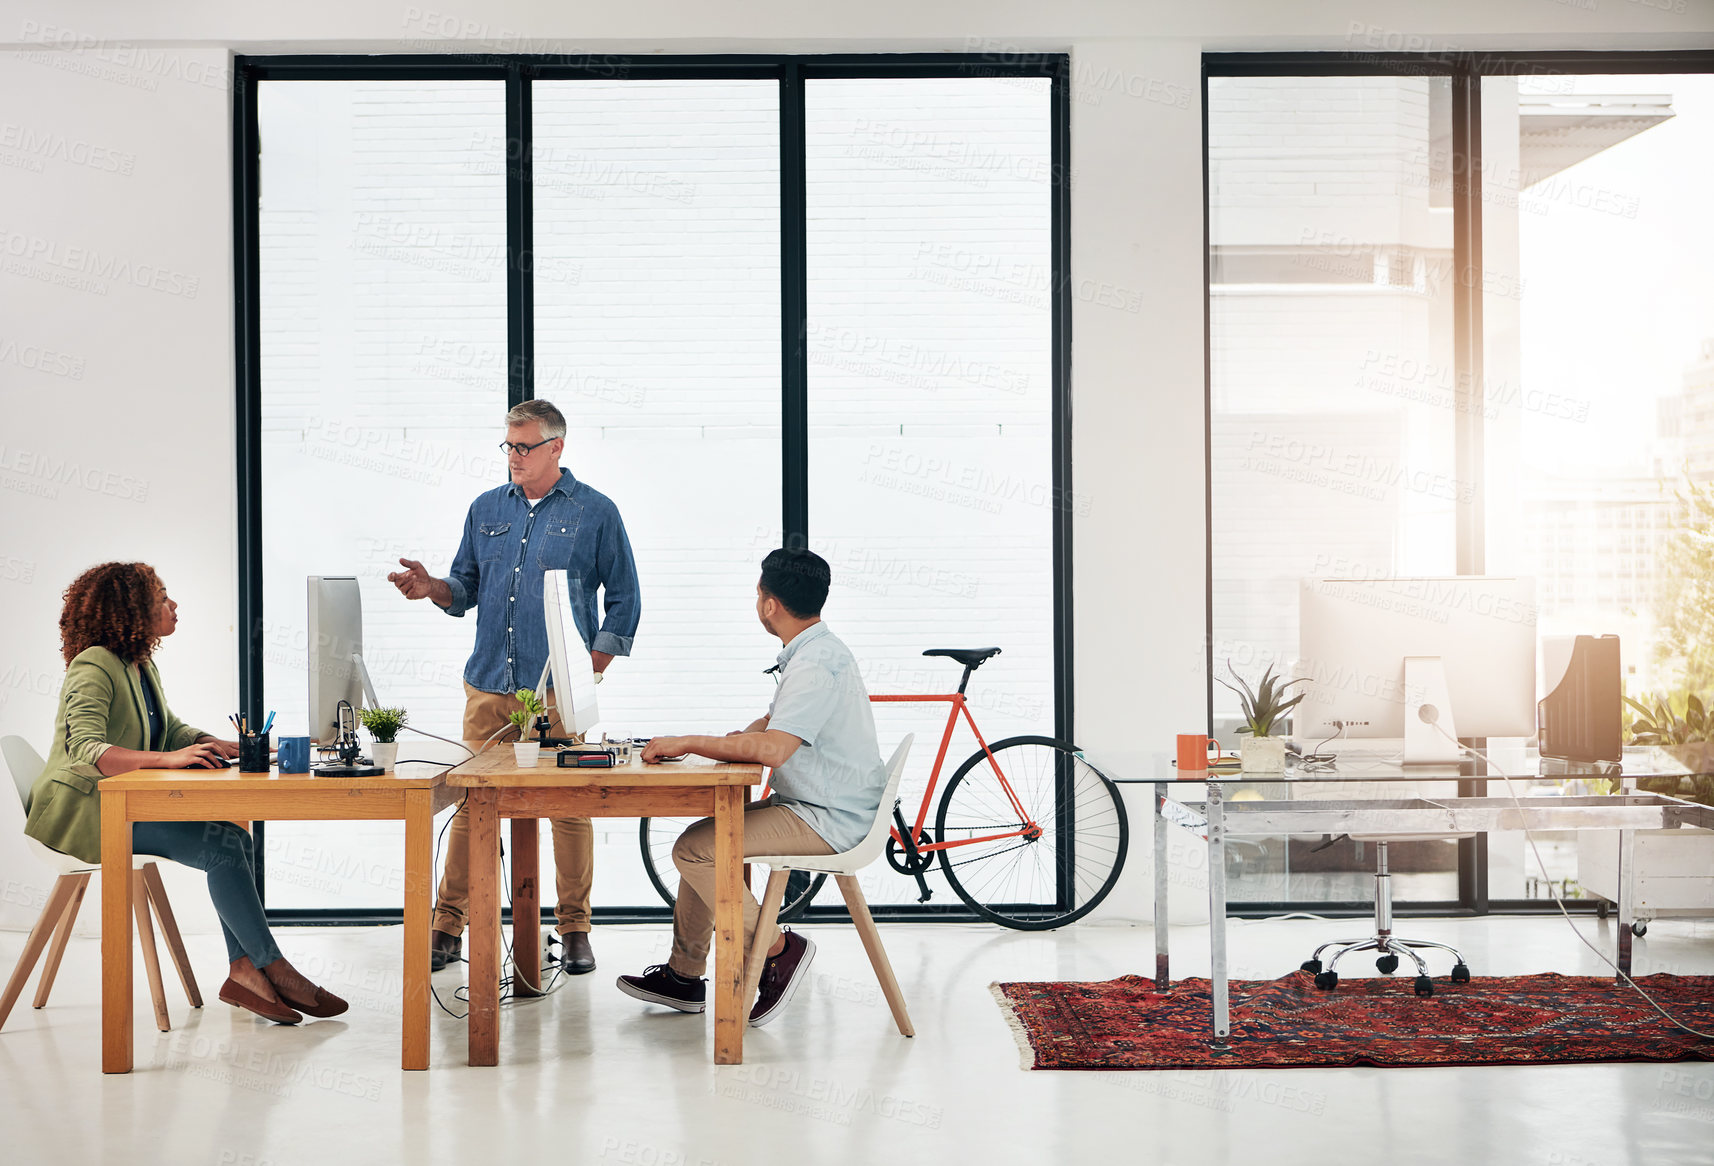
1198,801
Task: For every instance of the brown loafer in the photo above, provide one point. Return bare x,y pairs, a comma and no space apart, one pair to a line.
326,1004
237,995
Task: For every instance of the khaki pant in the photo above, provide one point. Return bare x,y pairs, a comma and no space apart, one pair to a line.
573,838
767,830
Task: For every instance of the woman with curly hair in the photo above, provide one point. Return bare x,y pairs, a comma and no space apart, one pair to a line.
113,718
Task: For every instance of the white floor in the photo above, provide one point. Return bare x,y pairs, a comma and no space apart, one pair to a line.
589,1076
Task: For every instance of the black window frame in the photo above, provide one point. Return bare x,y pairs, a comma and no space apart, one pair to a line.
1466,69
517,71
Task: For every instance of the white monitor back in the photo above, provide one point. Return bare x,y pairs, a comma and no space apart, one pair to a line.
568,658
336,670
1354,636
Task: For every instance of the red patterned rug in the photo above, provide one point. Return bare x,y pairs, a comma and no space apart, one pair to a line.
1290,1023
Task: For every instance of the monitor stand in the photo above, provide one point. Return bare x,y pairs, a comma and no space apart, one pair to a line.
1430,736
336,770
548,742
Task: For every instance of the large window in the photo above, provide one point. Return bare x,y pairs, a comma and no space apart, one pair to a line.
382,249
773,299
1599,406
1330,301
930,396
1458,325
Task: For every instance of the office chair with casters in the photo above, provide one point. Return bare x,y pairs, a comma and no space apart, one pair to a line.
843,867
1384,942
66,897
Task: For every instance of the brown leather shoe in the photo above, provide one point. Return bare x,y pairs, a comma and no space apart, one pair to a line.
576,956
237,995
444,949
325,1005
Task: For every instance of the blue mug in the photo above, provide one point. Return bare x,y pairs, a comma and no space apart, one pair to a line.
294,754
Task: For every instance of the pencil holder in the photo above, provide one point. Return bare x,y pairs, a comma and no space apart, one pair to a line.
253,753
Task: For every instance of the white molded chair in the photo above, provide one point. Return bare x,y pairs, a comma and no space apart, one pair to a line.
60,913
843,867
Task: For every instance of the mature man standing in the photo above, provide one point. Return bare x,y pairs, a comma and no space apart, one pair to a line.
542,520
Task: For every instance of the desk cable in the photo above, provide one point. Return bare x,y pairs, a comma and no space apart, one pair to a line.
1557,901
462,994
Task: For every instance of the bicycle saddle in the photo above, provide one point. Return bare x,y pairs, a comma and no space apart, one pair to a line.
969,657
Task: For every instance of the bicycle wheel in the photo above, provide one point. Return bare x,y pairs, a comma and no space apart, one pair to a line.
1059,870
657,835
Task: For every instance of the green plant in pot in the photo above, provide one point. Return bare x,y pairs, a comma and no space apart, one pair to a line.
1682,725
526,751
1264,706
384,725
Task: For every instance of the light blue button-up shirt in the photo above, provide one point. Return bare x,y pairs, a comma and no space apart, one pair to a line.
835,779
508,546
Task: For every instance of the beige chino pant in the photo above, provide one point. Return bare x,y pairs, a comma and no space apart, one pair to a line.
767,830
573,838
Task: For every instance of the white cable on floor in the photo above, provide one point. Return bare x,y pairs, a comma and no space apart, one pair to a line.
1560,903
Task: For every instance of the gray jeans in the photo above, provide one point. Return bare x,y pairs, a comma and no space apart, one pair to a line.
227,854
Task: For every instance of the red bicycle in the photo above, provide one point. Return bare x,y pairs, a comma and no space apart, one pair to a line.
1028,833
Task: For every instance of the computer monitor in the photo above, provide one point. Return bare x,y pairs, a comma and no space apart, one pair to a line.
1420,659
336,670
568,658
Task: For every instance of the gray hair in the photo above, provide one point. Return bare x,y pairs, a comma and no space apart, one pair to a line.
551,419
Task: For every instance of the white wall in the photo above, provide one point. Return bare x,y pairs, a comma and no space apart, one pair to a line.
116,412
135,171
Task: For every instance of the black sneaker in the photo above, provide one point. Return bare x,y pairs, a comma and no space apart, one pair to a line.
659,984
780,978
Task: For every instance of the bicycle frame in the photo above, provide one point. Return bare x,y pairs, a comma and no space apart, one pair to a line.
960,704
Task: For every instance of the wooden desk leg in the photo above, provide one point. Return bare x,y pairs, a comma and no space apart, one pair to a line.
729,1016
483,805
526,901
115,935
419,881
749,878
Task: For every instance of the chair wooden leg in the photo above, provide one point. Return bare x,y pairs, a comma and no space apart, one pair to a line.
61,934
859,909
151,957
170,933
767,928
58,897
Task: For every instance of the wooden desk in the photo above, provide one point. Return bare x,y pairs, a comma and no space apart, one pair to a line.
225,795
497,789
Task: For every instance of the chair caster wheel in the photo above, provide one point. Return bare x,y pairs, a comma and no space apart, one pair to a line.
1639,929
1461,973
1424,986
1327,981
1387,964
1311,966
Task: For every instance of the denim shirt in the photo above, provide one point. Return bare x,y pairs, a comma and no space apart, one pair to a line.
499,569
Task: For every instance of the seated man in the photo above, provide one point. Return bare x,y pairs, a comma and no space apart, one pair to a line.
819,739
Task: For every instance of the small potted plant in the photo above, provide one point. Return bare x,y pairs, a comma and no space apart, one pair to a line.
1264,706
527,752
384,726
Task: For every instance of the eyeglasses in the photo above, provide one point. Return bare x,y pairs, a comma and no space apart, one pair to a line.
521,449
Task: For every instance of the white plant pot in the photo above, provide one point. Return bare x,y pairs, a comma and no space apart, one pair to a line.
1262,754
527,753
385,754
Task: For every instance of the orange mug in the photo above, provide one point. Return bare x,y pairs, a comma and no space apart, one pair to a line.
1192,751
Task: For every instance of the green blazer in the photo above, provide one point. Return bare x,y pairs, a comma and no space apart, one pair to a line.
101,705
